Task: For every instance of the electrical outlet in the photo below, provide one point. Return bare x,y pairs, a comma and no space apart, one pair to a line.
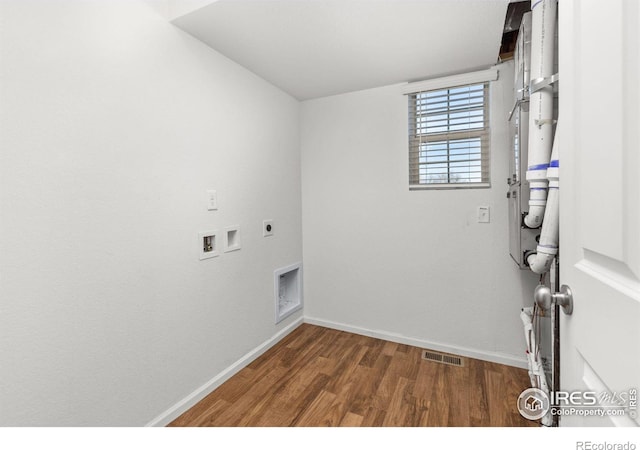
267,228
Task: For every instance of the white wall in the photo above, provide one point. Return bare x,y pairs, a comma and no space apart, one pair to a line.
113,124
411,264
177,8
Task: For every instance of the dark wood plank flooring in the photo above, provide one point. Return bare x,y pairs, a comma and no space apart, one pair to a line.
322,377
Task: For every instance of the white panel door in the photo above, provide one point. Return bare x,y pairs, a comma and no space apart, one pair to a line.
600,198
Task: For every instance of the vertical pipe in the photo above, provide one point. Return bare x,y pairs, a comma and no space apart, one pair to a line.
540,262
541,107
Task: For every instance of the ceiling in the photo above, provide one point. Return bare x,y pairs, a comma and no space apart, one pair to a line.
317,48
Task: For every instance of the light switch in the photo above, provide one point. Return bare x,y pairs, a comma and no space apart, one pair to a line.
483,214
212,200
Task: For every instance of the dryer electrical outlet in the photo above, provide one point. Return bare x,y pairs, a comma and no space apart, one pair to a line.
267,228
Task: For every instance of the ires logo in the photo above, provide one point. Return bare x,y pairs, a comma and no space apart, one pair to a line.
577,398
534,403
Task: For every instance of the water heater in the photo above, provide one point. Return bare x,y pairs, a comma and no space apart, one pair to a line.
522,240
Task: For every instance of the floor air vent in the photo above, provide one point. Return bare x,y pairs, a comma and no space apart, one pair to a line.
443,358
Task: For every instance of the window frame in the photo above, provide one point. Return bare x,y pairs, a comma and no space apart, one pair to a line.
412,90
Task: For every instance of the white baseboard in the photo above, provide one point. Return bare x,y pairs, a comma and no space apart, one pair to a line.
393,337
189,401
183,405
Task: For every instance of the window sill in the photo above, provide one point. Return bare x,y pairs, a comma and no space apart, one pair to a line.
432,186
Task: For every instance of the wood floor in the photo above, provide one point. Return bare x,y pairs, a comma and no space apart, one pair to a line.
322,377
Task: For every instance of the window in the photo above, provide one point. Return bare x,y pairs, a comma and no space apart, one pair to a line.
449,137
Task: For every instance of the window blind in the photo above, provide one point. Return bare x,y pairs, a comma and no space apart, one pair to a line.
449,137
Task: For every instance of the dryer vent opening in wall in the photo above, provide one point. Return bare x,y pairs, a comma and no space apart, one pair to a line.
443,358
288,290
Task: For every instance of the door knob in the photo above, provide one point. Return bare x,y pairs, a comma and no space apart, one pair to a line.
545,299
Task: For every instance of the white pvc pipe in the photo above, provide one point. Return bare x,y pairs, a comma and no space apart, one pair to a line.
537,206
543,22
547,249
536,370
527,320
